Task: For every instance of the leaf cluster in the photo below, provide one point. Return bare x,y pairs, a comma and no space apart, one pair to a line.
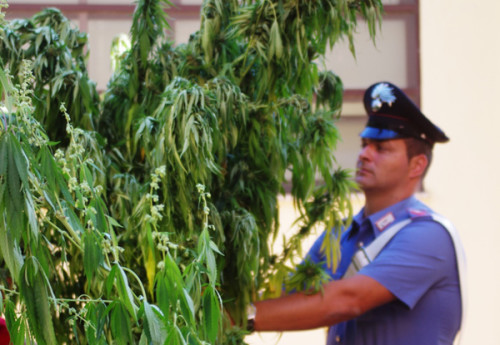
56,49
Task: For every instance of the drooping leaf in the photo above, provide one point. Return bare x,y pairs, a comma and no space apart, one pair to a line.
15,324
33,288
120,324
124,292
154,324
20,159
11,252
92,255
211,314
13,180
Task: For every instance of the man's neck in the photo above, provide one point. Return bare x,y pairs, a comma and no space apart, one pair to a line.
376,201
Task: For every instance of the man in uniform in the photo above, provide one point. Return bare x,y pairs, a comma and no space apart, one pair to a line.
410,293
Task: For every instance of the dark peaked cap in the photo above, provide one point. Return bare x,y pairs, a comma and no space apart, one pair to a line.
391,115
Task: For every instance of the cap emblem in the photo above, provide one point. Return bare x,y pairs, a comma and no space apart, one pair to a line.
382,93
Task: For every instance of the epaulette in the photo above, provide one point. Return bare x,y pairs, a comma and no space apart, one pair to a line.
418,212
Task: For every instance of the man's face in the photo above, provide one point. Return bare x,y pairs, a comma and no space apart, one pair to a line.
382,165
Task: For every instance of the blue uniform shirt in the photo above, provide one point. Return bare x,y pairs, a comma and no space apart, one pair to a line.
418,266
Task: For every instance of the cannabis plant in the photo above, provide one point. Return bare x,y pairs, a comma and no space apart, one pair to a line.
149,217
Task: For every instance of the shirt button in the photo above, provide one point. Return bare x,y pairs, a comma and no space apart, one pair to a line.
337,339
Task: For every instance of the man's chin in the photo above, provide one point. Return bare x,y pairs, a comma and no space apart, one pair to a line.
362,183
359,179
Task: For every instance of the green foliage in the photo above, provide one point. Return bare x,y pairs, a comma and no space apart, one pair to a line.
148,217
308,277
57,52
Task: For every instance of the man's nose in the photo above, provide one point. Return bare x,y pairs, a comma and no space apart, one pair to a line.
366,152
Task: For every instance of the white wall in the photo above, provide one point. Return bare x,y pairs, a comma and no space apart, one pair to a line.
460,48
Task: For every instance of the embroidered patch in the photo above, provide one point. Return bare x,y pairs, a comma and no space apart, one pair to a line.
414,212
385,221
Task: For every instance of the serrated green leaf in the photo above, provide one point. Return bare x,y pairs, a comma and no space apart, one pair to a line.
188,305
34,293
163,294
4,155
144,46
11,252
32,218
276,44
63,185
86,175
110,280
154,325
150,266
92,255
124,292
100,216
72,219
15,324
14,184
214,247
120,325
96,314
113,222
49,170
19,159
5,86
211,314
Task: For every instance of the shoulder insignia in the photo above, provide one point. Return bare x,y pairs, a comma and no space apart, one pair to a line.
415,212
385,221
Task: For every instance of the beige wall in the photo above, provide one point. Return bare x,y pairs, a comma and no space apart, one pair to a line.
460,49
386,60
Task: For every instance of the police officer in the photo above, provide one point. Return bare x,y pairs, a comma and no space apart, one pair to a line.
410,292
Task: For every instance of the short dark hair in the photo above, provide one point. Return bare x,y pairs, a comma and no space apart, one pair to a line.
415,147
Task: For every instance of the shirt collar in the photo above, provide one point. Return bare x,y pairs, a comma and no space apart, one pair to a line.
383,219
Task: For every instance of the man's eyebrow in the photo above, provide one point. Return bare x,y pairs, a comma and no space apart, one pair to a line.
376,141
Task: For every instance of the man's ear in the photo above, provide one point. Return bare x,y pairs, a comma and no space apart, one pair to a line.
418,164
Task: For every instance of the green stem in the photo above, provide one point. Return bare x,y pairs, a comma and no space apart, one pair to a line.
74,238
138,280
77,300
